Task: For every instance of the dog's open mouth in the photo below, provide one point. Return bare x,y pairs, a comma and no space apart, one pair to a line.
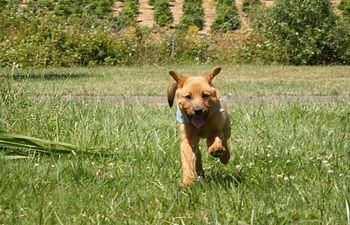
198,121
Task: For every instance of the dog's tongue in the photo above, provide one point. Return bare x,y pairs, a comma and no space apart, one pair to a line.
197,122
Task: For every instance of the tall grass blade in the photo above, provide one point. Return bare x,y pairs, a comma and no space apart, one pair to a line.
24,145
347,210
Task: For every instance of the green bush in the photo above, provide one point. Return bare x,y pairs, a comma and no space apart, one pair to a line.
309,34
66,8
8,4
48,42
193,14
250,5
227,16
128,15
344,5
162,13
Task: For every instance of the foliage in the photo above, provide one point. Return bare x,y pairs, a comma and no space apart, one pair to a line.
193,14
309,34
227,16
344,5
66,8
250,5
128,15
47,42
84,32
8,5
162,13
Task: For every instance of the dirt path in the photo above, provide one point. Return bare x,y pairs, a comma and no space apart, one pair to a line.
209,15
23,4
176,10
146,14
117,7
244,21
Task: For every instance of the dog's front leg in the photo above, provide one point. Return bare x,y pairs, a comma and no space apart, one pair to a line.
190,157
217,147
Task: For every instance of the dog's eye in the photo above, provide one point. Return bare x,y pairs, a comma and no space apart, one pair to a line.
188,97
205,96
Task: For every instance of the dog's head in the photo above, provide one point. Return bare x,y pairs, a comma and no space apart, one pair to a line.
196,96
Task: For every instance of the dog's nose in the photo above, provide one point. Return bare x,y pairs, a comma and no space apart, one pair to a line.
198,111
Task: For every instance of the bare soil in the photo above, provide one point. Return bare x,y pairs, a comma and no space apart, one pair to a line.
209,14
146,14
176,10
117,7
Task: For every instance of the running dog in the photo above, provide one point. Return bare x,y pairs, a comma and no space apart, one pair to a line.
200,114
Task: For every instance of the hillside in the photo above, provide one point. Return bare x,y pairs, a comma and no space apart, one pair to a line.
146,12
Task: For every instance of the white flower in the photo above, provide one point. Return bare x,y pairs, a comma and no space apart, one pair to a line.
324,161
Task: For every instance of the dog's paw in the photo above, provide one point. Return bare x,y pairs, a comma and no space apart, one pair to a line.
187,182
217,150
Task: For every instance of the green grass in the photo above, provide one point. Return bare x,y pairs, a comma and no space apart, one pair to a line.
152,80
290,160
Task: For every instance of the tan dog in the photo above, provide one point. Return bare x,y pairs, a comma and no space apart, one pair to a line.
201,114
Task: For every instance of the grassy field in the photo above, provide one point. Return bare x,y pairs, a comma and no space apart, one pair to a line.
290,160
151,80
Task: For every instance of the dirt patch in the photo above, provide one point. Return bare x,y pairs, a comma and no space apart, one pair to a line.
117,7
243,18
176,10
146,14
209,15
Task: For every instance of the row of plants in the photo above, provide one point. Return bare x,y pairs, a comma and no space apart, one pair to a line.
46,42
65,8
162,13
227,16
128,14
311,34
193,14
344,5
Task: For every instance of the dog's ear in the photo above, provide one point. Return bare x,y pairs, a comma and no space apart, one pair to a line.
210,75
180,79
171,93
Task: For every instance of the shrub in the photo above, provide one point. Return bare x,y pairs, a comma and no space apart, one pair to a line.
128,15
162,13
308,34
227,16
250,5
193,14
344,5
48,42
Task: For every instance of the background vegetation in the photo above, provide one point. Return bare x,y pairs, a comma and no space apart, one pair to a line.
66,33
193,14
227,16
162,13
